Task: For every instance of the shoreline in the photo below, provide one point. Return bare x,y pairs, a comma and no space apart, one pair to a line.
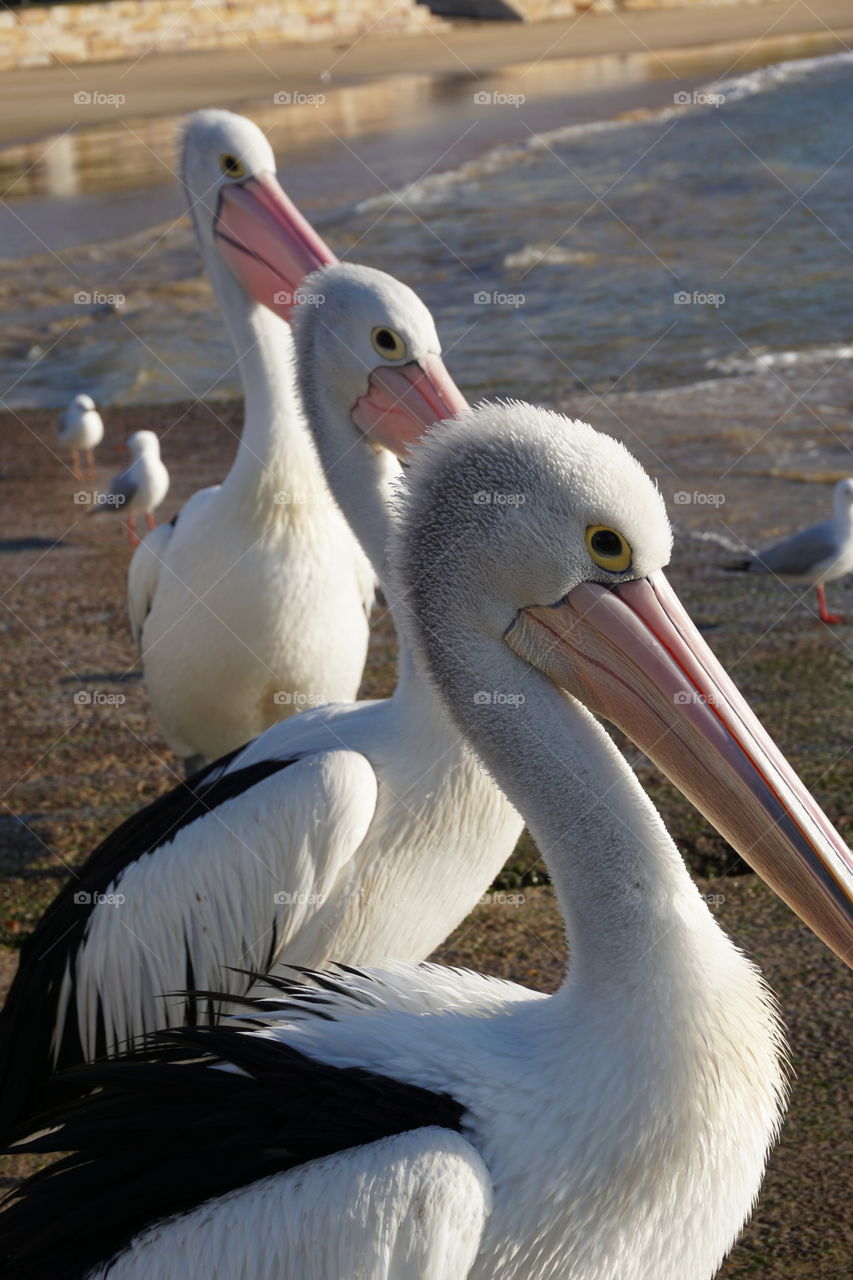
170,84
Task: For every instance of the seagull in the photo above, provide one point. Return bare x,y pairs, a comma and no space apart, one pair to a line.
816,555
81,429
422,1123
354,831
141,487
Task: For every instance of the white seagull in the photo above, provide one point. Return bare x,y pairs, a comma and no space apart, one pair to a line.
420,1123
81,429
816,555
254,603
355,832
141,487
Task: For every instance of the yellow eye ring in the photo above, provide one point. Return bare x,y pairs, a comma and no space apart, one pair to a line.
608,548
387,343
231,166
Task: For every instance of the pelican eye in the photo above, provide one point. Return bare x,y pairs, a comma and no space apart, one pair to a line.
608,548
231,166
388,343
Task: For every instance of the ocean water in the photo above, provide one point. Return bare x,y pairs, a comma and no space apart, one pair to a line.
708,239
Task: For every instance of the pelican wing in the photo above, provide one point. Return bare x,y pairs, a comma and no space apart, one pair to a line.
286,1166
801,555
218,875
143,576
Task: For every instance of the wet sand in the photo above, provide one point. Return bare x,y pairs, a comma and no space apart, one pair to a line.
41,101
72,770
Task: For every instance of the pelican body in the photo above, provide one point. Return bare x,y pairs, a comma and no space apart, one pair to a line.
81,429
817,555
254,604
419,1123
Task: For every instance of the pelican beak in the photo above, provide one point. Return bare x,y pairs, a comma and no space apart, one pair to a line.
631,654
267,242
403,401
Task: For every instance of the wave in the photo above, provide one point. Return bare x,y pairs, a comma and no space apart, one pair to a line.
762,360
764,79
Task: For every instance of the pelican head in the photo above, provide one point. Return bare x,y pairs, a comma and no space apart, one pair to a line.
525,530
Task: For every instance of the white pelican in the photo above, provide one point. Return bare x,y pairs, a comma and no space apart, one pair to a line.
358,832
254,603
420,1123
141,487
816,555
81,429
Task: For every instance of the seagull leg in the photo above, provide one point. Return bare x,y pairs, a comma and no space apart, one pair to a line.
91,460
131,531
149,520
75,465
825,615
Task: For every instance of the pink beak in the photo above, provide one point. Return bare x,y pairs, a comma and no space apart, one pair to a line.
403,401
267,242
631,654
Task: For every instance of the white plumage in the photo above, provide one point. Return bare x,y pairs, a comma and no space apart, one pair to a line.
617,1130
254,605
81,429
142,486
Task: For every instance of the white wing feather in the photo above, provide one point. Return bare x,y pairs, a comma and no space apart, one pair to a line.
411,1207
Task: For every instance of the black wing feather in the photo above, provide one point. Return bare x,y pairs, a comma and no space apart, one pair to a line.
27,1022
166,1133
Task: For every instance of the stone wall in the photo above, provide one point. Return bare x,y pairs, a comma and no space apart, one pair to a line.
46,34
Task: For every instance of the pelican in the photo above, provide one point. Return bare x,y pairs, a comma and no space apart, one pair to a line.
254,603
359,832
420,1123
816,555
141,487
81,428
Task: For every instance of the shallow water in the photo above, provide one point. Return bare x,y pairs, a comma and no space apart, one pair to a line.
707,238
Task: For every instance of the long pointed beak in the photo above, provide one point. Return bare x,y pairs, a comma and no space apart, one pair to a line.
267,242
403,401
631,654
